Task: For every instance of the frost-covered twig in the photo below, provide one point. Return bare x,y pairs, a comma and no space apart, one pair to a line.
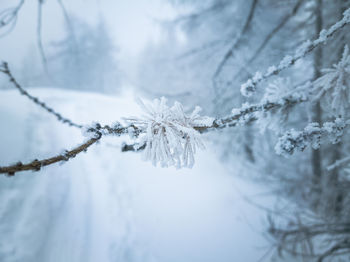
5,69
36,165
116,129
249,87
311,135
248,112
172,136
188,138
94,134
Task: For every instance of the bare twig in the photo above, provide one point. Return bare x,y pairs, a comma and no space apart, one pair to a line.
345,244
206,11
270,36
338,163
296,234
68,22
39,38
9,17
5,69
237,40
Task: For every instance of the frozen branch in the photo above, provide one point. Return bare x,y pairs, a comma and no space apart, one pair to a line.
171,136
36,165
94,132
311,135
199,124
249,87
269,36
248,112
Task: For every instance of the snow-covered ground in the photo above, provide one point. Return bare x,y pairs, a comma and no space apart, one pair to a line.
105,205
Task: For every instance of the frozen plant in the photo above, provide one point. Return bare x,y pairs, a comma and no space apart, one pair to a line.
249,87
274,119
311,135
170,135
334,85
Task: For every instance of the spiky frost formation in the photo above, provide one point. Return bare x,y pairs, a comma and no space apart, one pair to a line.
170,137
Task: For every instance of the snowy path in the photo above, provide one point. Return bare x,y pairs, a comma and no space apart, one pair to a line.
111,206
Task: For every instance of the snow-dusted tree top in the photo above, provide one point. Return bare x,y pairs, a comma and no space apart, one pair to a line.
170,136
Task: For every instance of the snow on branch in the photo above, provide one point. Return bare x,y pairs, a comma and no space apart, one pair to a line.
248,113
334,85
249,87
168,135
171,136
311,135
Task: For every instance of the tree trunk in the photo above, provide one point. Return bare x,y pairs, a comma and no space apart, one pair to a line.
317,111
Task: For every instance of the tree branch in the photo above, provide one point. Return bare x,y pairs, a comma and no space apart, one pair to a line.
312,134
36,165
4,68
237,40
249,87
270,36
39,38
96,131
9,17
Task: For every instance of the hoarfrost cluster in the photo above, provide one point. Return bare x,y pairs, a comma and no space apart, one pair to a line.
311,135
170,137
274,119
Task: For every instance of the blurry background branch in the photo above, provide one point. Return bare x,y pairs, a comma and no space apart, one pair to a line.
237,40
8,18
